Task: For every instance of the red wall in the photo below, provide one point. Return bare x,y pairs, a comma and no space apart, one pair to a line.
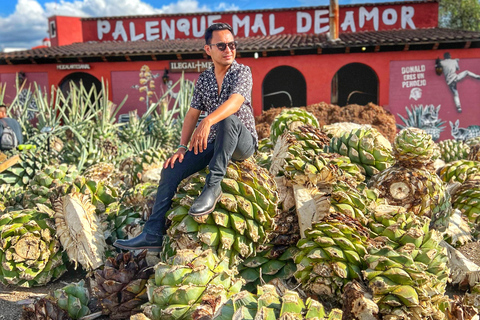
68,30
318,71
313,20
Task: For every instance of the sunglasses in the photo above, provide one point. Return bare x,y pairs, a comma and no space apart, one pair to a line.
222,45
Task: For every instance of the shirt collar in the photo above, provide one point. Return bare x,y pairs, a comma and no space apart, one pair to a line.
234,66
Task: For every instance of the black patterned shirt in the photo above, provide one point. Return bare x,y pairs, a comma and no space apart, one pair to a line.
238,79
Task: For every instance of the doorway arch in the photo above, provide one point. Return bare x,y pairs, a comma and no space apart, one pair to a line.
355,83
284,86
78,78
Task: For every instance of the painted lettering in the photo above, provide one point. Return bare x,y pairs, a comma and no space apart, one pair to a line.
365,15
103,27
133,36
414,83
304,22
272,29
413,69
407,15
120,31
150,30
183,25
361,18
168,29
389,17
238,23
349,22
318,21
259,25
212,19
198,32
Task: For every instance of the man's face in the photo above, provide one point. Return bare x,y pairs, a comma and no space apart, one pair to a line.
225,57
3,113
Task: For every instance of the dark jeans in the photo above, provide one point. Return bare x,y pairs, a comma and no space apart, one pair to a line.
233,141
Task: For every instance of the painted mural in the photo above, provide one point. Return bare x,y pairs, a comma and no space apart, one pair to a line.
143,87
26,82
430,93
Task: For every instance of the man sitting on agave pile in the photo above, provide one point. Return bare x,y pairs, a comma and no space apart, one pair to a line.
228,132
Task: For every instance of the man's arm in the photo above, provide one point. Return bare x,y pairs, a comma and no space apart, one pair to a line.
189,123
241,91
226,109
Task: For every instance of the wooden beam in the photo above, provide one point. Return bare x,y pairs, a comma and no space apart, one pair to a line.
377,49
435,46
9,162
407,46
467,44
154,57
104,59
33,61
264,54
347,49
127,58
319,50
179,56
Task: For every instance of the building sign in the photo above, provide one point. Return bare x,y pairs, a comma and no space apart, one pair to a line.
443,104
77,66
312,20
190,66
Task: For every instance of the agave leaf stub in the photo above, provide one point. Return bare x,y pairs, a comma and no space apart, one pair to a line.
79,230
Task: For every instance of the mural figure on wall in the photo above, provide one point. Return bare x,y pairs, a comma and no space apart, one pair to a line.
449,68
415,94
464,133
425,118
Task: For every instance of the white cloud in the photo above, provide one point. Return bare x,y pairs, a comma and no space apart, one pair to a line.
185,6
223,6
99,8
27,25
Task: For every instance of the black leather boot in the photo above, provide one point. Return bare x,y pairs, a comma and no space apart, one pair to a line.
142,241
206,201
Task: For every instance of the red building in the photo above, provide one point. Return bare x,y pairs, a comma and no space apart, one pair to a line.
385,53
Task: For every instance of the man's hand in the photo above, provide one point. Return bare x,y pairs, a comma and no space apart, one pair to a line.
176,156
200,137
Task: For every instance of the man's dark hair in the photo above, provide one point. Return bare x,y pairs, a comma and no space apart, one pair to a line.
3,106
446,55
215,27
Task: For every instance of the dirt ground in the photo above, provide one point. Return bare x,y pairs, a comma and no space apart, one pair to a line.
372,114
12,299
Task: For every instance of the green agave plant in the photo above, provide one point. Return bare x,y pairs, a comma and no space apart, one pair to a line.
423,117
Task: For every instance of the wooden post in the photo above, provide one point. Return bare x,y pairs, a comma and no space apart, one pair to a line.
9,162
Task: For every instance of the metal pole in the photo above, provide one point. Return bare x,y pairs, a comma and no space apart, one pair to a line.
334,19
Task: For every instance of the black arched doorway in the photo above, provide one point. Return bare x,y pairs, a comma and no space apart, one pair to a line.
355,83
87,80
284,87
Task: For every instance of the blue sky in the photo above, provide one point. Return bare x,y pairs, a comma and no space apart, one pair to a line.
23,23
